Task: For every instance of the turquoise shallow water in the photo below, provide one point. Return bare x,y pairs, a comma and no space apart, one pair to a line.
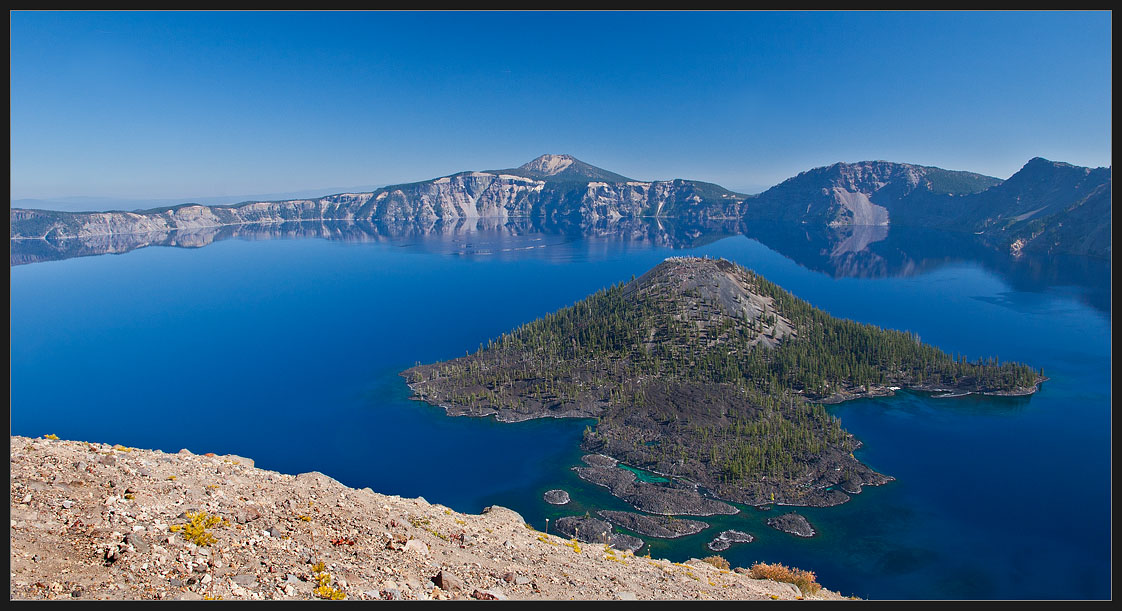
287,351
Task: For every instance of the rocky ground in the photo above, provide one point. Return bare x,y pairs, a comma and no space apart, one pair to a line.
94,521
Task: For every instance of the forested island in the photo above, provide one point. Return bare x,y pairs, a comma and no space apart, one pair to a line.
703,371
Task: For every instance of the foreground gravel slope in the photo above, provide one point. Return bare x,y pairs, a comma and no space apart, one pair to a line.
93,521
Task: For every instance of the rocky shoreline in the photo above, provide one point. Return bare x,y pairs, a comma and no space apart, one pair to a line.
727,538
92,521
662,527
556,497
848,394
792,523
591,530
662,499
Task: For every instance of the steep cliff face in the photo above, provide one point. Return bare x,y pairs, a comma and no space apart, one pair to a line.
864,193
1047,207
551,187
462,196
51,225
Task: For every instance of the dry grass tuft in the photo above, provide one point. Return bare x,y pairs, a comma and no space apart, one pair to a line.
718,562
805,580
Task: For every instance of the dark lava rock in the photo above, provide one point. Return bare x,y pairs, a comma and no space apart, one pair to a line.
599,460
851,485
718,545
653,498
792,523
665,499
586,529
663,527
727,538
625,543
556,497
609,477
590,530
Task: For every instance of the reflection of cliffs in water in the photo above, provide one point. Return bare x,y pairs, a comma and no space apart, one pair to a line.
840,252
884,252
23,251
854,251
848,251
479,236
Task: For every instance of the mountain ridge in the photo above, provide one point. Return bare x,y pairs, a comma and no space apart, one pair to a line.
1049,207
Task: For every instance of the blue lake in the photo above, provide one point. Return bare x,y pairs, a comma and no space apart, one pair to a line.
288,352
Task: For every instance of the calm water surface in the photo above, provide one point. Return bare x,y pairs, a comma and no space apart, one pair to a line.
287,351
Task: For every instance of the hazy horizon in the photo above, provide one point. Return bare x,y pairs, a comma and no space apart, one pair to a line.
98,203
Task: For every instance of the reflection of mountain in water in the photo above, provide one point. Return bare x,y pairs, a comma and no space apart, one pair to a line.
840,252
847,251
883,252
479,236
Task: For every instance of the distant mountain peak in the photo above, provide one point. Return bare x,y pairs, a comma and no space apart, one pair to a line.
1040,163
549,164
565,168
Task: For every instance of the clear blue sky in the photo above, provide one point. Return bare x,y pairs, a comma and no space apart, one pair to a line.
191,104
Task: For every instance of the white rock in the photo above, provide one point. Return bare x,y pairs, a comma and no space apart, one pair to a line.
418,546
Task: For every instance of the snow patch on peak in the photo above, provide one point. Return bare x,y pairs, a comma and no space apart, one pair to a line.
550,164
